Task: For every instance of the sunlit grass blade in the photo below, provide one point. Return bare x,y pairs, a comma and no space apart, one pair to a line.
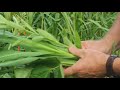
19,62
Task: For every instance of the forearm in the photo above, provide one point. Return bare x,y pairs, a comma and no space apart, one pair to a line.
113,36
116,66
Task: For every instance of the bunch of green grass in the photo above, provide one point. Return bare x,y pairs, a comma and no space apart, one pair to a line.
41,44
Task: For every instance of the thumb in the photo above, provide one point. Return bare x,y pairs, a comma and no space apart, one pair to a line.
77,52
70,71
74,69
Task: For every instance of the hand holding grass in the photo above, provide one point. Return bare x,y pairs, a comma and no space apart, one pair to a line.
94,54
48,37
92,63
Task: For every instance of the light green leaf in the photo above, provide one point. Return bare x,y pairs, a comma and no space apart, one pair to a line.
18,62
40,72
47,35
22,72
58,72
6,76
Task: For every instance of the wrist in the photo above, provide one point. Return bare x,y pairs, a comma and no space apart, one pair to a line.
107,44
109,39
116,66
112,66
113,42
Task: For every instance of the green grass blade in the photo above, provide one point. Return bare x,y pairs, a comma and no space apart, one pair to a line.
18,62
22,72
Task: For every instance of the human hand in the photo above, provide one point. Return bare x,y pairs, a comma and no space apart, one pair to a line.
92,63
99,45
